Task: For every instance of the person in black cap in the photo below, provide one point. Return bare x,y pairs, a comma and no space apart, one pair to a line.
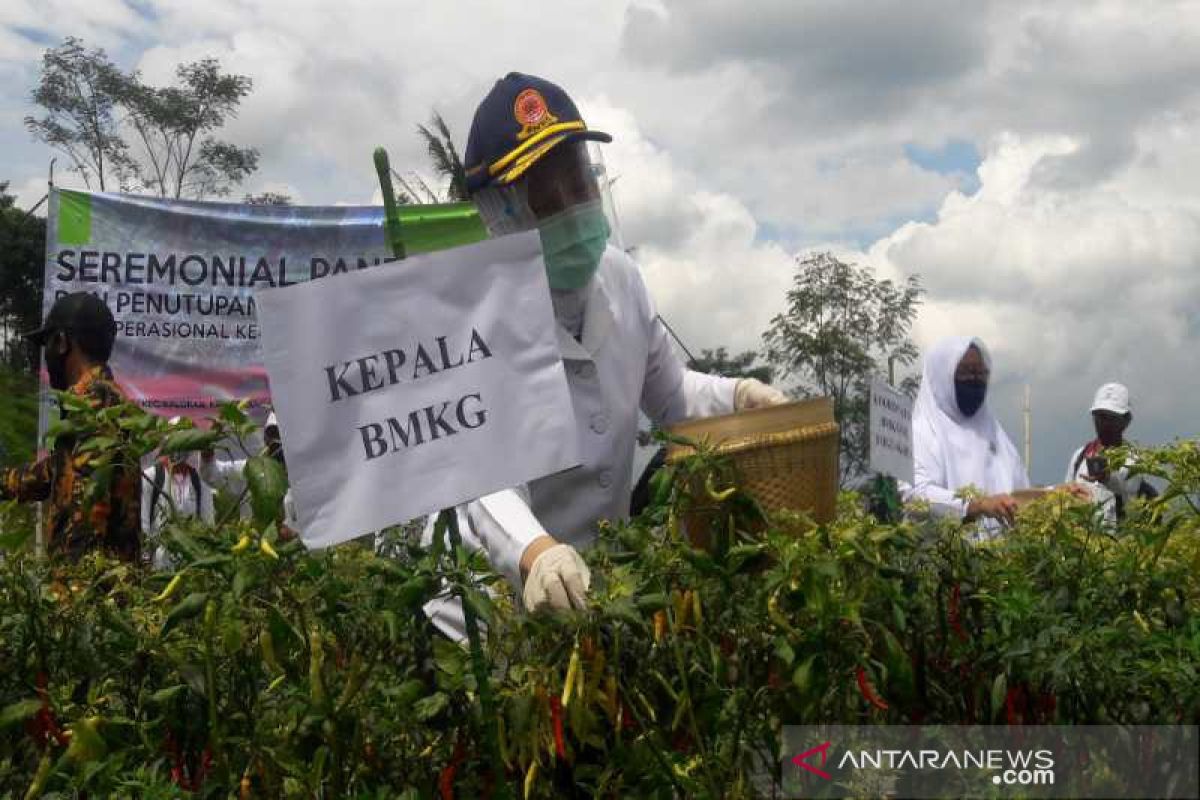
527,168
78,336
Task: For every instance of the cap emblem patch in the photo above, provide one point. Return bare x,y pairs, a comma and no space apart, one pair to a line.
532,113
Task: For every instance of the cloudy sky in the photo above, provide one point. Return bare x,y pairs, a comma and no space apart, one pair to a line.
1034,162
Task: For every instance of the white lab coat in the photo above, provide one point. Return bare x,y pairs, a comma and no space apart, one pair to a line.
225,475
623,362
178,497
229,476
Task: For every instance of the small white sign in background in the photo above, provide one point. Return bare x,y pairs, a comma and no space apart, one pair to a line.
417,386
891,431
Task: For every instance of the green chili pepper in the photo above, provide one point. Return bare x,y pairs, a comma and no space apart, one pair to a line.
40,777
170,589
316,663
652,602
187,608
266,643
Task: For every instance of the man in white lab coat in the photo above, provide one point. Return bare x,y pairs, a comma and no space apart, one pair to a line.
229,474
527,167
172,487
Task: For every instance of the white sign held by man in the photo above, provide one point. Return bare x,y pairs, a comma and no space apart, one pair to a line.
891,431
416,386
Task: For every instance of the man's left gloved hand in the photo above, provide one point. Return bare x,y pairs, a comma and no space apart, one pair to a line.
753,393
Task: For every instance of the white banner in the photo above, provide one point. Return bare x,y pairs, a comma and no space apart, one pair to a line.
891,431
180,277
403,391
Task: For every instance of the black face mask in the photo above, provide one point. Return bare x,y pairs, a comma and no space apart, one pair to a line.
56,365
970,396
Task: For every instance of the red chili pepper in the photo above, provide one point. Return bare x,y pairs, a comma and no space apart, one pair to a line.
955,617
560,748
44,726
172,748
446,779
627,722
868,691
1047,704
1014,701
205,768
969,689
682,743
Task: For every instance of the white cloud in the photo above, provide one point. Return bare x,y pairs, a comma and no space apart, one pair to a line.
745,132
1069,288
714,281
29,192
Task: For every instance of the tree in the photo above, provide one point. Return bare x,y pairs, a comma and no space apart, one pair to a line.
841,326
78,90
22,255
719,362
124,134
173,125
446,163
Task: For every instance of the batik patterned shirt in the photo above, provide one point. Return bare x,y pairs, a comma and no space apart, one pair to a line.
76,520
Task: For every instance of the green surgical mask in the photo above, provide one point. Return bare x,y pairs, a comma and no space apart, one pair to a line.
572,243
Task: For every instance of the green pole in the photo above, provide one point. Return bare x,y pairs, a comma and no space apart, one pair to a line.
391,214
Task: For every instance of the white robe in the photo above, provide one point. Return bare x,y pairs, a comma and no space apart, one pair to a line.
952,451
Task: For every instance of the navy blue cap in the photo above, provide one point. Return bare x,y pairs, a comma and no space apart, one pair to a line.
522,118
82,315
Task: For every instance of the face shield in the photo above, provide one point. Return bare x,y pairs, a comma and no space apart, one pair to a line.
604,183
562,178
505,209
562,195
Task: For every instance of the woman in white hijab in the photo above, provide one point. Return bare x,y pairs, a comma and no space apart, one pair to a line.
957,440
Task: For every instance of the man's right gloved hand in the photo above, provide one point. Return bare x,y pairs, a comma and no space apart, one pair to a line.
753,393
556,577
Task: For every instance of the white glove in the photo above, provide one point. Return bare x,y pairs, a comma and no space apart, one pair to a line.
753,393
558,579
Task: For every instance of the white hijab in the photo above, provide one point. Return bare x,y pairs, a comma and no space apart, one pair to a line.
973,451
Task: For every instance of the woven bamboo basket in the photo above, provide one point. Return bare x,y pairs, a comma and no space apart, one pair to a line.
786,456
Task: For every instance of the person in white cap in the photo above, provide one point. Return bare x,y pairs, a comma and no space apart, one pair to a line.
172,489
1111,415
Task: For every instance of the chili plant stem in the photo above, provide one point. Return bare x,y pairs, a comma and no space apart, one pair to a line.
681,665
657,752
478,665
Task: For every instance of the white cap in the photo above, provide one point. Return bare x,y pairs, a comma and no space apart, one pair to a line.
271,421
1112,397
